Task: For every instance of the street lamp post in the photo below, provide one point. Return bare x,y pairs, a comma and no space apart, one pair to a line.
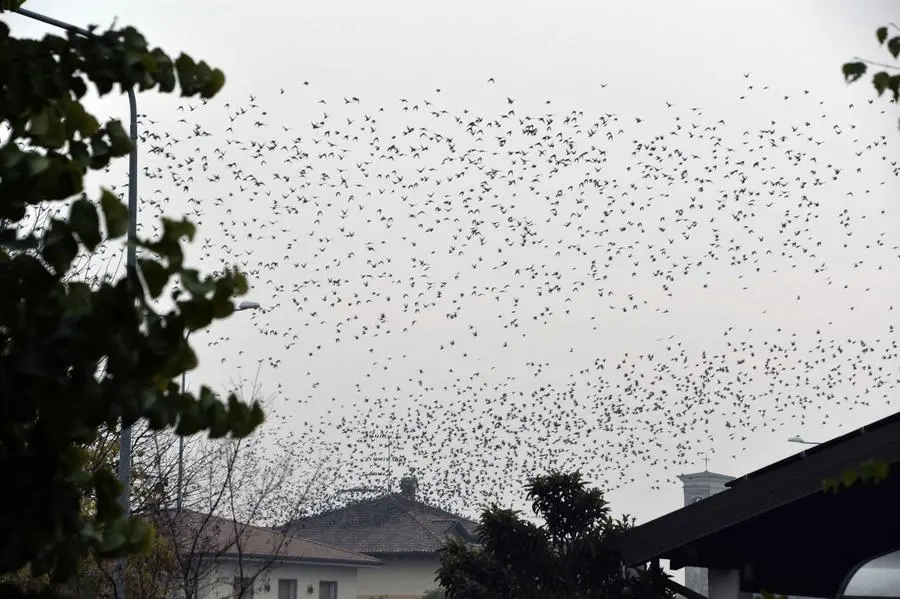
798,439
130,261
179,492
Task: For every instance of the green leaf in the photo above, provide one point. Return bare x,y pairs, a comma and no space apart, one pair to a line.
849,476
55,137
881,33
202,74
67,562
192,283
60,247
176,229
239,282
119,142
155,276
140,535
243,419
78,87
39,123
189,419
853,71
197,314
165,72
115,213
67,179
37,164
89,125
214,83
114,538
78,301
80,120
11,5
99,152
221,304
880,81
217,420
893,84
103,83
84,221
79,153
257,415
12,156
187,74
893,46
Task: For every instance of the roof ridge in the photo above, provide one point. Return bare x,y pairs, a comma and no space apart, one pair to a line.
285,534
415,518
435,508
348,506
341,549
395,498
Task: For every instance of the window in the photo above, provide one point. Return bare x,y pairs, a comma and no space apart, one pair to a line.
242,588
287,588
328,589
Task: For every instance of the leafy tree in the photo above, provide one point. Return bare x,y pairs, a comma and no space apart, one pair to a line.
887,79
77,359
569,555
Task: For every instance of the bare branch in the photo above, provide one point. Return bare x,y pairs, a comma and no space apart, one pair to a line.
877,64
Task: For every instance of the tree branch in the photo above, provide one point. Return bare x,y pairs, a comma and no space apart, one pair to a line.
877,64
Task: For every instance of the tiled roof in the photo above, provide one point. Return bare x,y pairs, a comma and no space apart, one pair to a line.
201,534
388,524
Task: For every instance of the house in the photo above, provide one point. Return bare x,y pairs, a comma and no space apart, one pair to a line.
403,533
778,530
224,559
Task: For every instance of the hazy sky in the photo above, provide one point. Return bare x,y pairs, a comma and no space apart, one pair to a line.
644,322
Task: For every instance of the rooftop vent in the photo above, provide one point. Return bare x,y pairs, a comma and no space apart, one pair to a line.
408,487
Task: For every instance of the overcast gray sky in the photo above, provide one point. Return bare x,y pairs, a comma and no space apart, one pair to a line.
766,315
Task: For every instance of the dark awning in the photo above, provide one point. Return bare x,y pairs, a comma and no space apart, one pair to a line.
779,528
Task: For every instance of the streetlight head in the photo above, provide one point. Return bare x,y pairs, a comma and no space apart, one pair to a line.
796,439
247,306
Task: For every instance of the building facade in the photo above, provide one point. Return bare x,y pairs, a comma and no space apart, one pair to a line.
697,487
221,558
230,579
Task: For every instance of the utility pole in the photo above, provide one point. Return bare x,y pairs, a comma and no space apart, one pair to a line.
130,262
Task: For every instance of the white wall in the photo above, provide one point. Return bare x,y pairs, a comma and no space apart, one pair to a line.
399,578
219,586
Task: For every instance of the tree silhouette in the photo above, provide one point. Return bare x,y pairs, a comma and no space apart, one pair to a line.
568,555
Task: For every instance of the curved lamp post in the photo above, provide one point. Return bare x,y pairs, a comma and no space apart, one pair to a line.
798,439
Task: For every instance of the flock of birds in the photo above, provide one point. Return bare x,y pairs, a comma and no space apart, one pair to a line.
481,295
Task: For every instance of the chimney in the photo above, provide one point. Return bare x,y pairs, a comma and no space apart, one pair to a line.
408,487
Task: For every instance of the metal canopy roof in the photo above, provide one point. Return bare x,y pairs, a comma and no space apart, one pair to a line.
778,527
